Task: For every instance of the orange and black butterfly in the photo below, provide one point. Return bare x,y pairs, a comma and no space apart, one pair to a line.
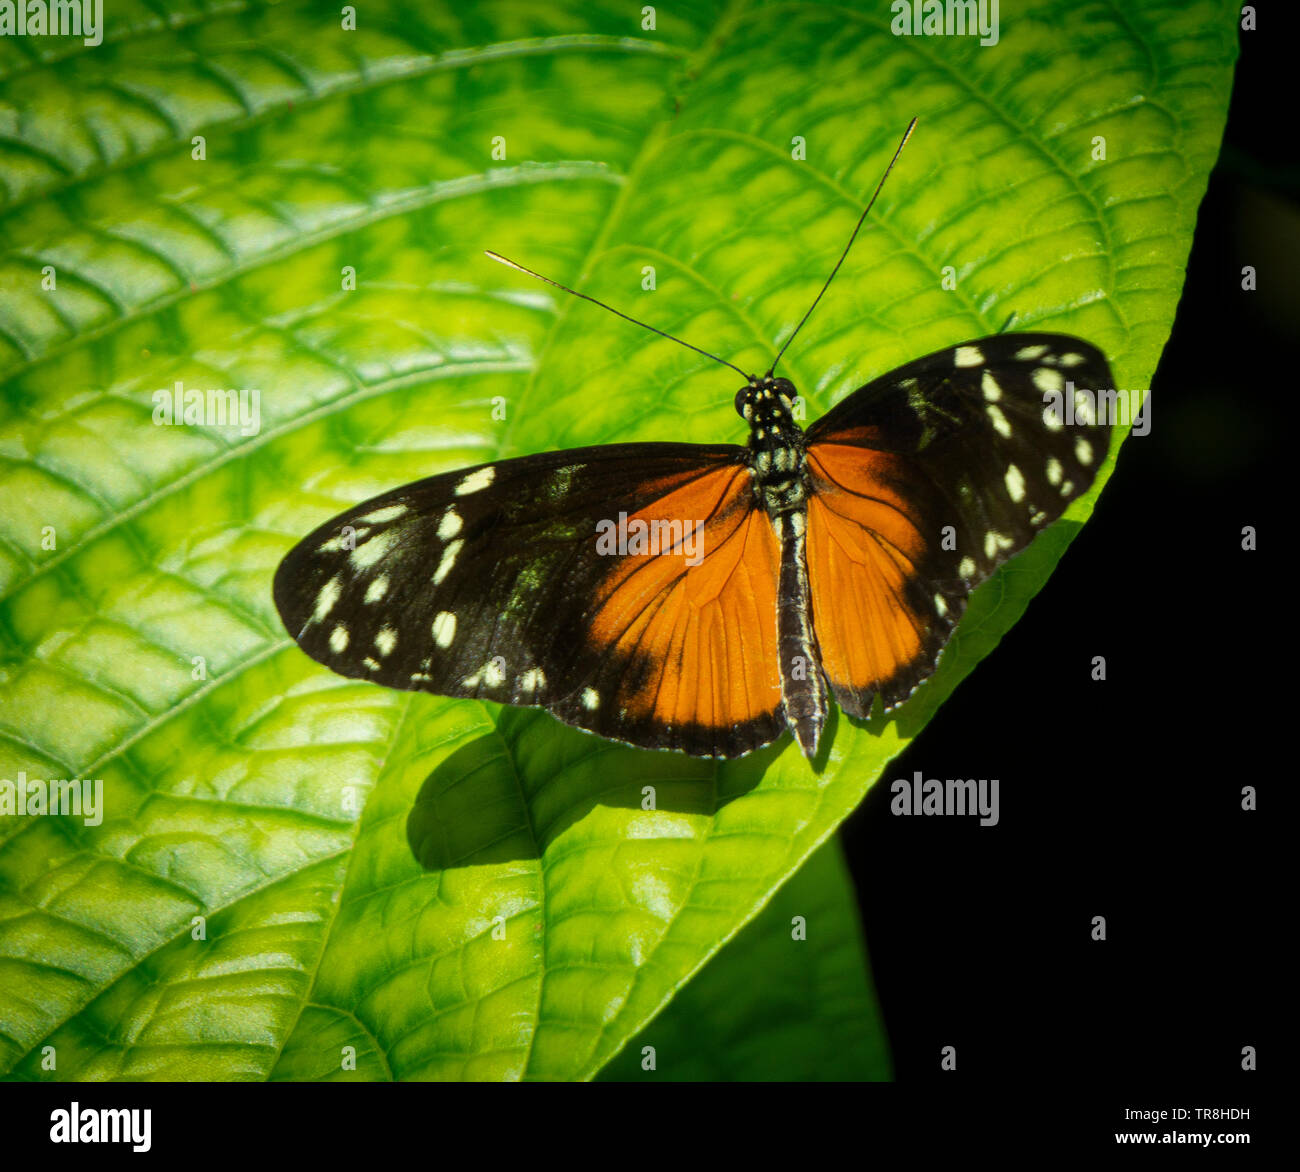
705,598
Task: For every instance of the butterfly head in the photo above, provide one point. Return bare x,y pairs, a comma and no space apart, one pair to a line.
766,403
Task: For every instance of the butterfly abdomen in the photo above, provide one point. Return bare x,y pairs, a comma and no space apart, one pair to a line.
803,687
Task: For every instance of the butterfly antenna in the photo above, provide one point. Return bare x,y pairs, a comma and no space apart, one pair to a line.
496,256
906,135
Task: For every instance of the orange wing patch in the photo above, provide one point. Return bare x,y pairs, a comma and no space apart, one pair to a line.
702,636
863,547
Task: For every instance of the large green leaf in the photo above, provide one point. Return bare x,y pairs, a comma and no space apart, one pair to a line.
451,889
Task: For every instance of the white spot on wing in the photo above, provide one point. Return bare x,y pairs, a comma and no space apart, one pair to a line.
377,588
448,560
492,673
347,539
449,525
1047,380
967,356
444,629
590,699
1083,451
386,640
1030,353
325,600
1071,359
365,556
995,541
940,605
967,568
339,639
379,516
1054,471
476,481
533,680
992,392
999,421
1015,483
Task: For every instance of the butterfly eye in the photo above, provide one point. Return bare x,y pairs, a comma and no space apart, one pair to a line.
742,397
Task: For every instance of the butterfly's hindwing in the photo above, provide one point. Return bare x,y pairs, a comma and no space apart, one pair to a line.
927,479
489,582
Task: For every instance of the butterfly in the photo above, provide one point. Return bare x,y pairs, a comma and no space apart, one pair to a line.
708,597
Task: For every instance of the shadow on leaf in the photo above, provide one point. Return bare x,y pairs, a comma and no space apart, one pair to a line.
508,795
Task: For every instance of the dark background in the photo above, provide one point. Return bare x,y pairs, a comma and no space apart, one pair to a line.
1123,798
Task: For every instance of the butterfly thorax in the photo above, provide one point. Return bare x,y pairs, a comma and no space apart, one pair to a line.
776,444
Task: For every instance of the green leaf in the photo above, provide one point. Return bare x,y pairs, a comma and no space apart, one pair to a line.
775,1005
289,863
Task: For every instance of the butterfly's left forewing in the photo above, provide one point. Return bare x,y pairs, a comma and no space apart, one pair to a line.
546,581
926,480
